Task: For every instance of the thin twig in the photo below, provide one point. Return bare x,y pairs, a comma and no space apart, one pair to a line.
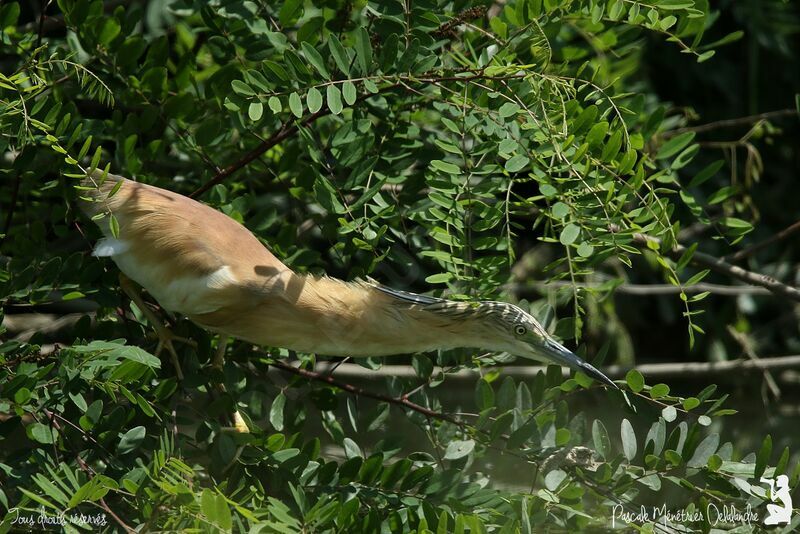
354,390
752,249
90,472
748,350
721,266
285,131
42,17
728,123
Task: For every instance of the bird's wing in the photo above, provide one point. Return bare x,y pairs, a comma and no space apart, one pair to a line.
190,257
406,296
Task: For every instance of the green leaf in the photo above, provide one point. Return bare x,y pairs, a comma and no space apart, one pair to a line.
517,163
628,440
549,192
135,354
762,458
602,443
585,250
276,411
255,111
113,226
22,395
109,30
290,11
696,278
596,134
675,145
42,433
707,172
714,462
275,104
296,105
9,14
612,147
339,54
704,450
334,97
240,87
314,100
131,440
635,380
691,403
349,92
484,394
316,60
669,413
363,50
440,278
458,449
673,457
705,56
351,449
676,4
722,194
508,109
79,401
445,167
560,210
215,507
569,234
658,391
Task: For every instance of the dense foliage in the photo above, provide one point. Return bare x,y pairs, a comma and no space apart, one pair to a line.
450,146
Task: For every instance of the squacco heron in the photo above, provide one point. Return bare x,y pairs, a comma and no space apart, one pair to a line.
198,262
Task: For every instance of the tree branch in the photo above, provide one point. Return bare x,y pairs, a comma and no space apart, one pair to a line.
90,472
354,390
720,266
650,370
728,123
289,127
749,251
648,289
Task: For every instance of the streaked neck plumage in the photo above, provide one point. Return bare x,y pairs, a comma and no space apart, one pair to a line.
364,319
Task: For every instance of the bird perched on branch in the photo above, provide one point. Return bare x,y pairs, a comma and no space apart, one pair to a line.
200,263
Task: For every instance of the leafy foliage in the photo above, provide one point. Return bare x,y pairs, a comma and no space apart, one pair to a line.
414,142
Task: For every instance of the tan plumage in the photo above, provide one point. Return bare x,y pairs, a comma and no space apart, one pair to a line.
200,263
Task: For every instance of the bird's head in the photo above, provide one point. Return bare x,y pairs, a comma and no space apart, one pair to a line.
509,328
499,326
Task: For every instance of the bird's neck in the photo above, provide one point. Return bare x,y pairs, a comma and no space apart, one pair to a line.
357,319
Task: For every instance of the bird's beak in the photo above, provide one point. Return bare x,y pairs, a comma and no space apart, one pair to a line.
559,354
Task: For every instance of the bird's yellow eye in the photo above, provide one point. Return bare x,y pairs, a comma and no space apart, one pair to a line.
520,330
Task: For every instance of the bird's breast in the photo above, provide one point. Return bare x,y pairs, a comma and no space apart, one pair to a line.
186,293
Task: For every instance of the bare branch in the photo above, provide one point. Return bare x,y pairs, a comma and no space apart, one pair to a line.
721,266
650,370
728,123
648,289
749,251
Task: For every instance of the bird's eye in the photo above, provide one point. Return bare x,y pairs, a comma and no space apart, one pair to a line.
520,330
